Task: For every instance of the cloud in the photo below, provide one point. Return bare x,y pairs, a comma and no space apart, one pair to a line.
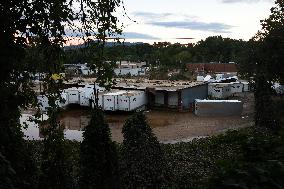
181,21
151,15
195,25
135,35
244,1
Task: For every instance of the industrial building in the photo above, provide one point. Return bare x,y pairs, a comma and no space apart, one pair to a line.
178,95
130,68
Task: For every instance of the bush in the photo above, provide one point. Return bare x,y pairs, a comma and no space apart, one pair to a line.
99,164
142,162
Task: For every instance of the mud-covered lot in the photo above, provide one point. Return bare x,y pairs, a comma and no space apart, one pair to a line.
169,126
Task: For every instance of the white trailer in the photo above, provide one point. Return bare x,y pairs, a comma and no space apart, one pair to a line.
73,95
86,95
237,87
91,86
110,100
44,105
218,107
100,100
219,90
246,86
132,100
43,102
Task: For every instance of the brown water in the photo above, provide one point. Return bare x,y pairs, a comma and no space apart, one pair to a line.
167,126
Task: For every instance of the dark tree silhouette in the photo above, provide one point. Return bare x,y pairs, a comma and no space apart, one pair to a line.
142,159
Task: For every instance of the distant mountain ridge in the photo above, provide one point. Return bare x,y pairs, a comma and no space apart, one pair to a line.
107,44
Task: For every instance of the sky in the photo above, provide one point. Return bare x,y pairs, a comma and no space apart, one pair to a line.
166,20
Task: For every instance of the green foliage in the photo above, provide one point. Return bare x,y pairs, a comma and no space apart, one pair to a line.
56,167
259,163
266,175
169,55
142,161
265,118
99,159
264,51
7,173
272,39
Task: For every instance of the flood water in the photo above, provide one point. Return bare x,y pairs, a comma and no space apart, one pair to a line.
168,126
74,121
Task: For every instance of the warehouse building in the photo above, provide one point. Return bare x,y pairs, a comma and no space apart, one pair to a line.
164,94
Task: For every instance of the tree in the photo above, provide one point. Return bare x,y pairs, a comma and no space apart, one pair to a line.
99,160
15,90
142,159
265,119
56,166
272,43
7,173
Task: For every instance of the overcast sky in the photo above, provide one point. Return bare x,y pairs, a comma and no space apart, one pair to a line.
166,20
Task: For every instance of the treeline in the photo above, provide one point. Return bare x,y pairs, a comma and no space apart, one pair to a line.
212,49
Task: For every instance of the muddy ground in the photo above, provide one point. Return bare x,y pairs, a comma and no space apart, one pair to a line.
170,126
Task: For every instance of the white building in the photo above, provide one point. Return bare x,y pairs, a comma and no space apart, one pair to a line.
130,68
130,71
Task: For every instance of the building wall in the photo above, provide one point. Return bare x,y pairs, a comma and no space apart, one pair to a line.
237,87
189,95
219,91
220,108
159,98
131,71
173,98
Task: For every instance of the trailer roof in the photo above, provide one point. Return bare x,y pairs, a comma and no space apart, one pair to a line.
157,84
